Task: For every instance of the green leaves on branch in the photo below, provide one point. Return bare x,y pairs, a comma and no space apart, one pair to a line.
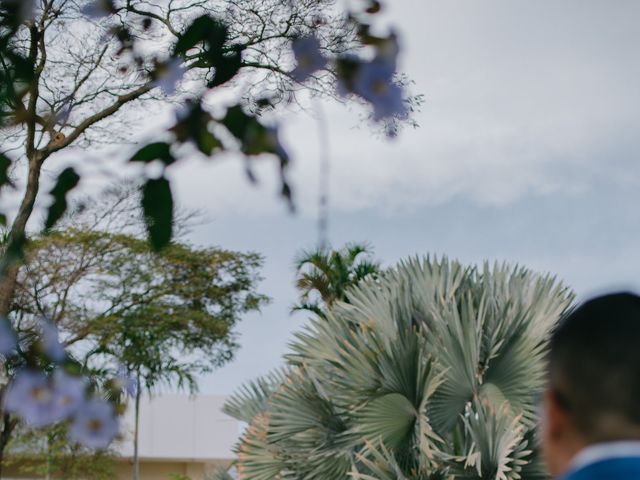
193,126
157,206
5,165
66,182
155,151
210,36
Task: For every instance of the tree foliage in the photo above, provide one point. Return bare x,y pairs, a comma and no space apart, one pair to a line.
325,275
124,310
49,454
430,372
116,301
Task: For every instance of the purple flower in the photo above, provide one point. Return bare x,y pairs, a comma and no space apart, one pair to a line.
168,75
374,83
98,9
68,394
8,339
50,341
126,382
30,395
95,425
307,52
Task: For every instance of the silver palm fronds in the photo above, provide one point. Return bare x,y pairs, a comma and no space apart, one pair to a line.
429,371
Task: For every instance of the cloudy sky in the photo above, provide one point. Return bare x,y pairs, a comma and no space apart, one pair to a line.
526,152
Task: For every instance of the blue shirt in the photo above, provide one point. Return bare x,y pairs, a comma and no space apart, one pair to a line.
609,461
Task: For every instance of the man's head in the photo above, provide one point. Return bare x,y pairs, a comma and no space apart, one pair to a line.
594,378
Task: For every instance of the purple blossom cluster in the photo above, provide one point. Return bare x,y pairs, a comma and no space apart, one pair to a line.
40,399
374,83
126,383
98,9
168,75
309,58
372,80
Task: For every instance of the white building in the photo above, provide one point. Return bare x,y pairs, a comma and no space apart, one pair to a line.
179,435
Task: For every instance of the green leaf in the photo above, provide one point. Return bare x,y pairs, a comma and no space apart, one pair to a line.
154,151
67,181
256,138
226,67
237,122
390,418
5,164
157,206
194,127
211,31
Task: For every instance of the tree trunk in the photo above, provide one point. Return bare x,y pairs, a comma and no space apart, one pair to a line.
17,233
8,426
136,431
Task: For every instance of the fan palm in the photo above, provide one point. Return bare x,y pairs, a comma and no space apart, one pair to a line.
324,275
429,372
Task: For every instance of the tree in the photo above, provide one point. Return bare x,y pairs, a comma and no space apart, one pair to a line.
163,318
431,372
328,274
74,72
122,309
77,73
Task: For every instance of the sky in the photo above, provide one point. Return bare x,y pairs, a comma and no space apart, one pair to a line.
526,152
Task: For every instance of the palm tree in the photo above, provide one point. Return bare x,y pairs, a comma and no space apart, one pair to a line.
325,275
432,371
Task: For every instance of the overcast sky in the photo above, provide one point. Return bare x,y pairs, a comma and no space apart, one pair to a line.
526,152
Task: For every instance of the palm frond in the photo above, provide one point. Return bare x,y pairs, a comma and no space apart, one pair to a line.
428,370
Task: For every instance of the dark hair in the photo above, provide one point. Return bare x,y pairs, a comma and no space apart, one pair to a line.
594,366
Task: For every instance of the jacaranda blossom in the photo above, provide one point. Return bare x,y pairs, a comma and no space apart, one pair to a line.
169,74
31,396
50,341
374,82
8,339
309,58
95,425
98,9
68,394
126,383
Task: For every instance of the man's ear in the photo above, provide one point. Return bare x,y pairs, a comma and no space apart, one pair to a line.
557,416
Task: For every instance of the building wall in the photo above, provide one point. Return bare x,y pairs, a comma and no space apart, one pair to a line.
179,427
159,470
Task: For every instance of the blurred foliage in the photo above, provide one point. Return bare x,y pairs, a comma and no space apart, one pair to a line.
48,454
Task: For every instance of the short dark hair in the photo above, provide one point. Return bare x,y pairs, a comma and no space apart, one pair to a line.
594,366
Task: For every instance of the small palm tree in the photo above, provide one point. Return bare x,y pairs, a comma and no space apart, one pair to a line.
431,371
325,275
